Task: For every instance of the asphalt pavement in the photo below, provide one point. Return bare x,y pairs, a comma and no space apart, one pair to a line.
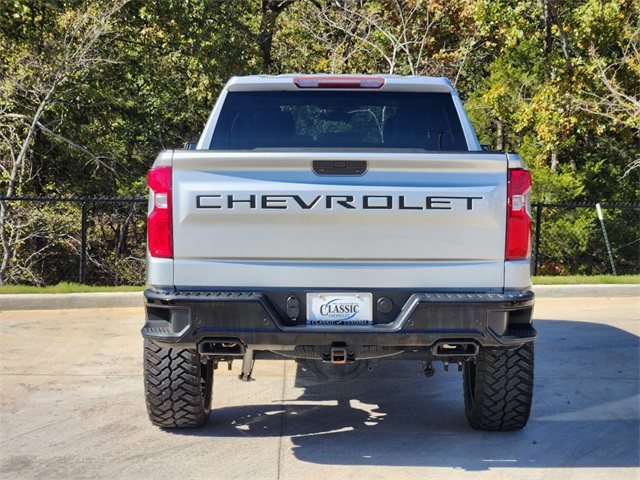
72,406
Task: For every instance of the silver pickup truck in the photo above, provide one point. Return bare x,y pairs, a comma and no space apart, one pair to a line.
339,221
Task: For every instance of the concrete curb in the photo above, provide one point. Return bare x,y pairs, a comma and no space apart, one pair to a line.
563,291
64,301
135,299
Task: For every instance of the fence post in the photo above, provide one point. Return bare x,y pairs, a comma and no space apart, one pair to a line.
83,242
606,239
537,237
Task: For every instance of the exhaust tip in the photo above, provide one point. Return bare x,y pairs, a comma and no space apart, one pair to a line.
455,349
221,346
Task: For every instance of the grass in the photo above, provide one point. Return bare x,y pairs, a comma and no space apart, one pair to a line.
587,280
76,288
66,288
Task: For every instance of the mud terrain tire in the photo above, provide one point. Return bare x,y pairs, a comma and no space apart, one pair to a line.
498,388
177,386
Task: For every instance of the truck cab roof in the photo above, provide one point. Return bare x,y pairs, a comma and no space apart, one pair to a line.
299,81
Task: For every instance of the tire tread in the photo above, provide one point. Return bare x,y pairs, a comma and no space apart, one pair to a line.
499,388
173,387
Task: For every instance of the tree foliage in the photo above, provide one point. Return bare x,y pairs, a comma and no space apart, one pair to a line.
91,90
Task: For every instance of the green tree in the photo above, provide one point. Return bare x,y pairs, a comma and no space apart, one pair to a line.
544,95
47,51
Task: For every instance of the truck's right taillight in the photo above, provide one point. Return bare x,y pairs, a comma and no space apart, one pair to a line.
159,228
518,245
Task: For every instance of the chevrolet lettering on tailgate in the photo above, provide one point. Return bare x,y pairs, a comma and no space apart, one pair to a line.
329,202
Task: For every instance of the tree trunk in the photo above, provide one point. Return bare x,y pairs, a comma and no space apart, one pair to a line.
500,135
554,160
547,38
271,10
7,252
564,41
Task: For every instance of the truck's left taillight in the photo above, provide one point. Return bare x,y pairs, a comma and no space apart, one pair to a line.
159,228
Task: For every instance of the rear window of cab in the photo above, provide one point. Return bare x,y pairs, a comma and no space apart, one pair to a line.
338,119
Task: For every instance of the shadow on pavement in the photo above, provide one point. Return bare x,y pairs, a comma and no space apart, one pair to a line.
585,414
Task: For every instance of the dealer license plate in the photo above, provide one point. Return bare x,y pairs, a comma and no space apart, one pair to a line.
339,309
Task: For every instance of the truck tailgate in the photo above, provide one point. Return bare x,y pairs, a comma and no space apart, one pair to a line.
266,219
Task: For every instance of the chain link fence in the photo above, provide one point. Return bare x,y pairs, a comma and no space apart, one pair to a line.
95,241
102,241
570,239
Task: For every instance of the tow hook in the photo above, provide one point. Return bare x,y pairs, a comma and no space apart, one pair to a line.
446,366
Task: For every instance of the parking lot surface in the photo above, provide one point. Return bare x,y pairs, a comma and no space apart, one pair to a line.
72,406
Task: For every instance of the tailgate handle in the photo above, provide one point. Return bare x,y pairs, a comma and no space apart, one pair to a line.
340,167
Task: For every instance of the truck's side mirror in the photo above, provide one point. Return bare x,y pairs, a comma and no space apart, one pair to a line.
486,147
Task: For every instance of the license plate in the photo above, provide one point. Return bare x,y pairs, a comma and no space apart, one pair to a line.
339,309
